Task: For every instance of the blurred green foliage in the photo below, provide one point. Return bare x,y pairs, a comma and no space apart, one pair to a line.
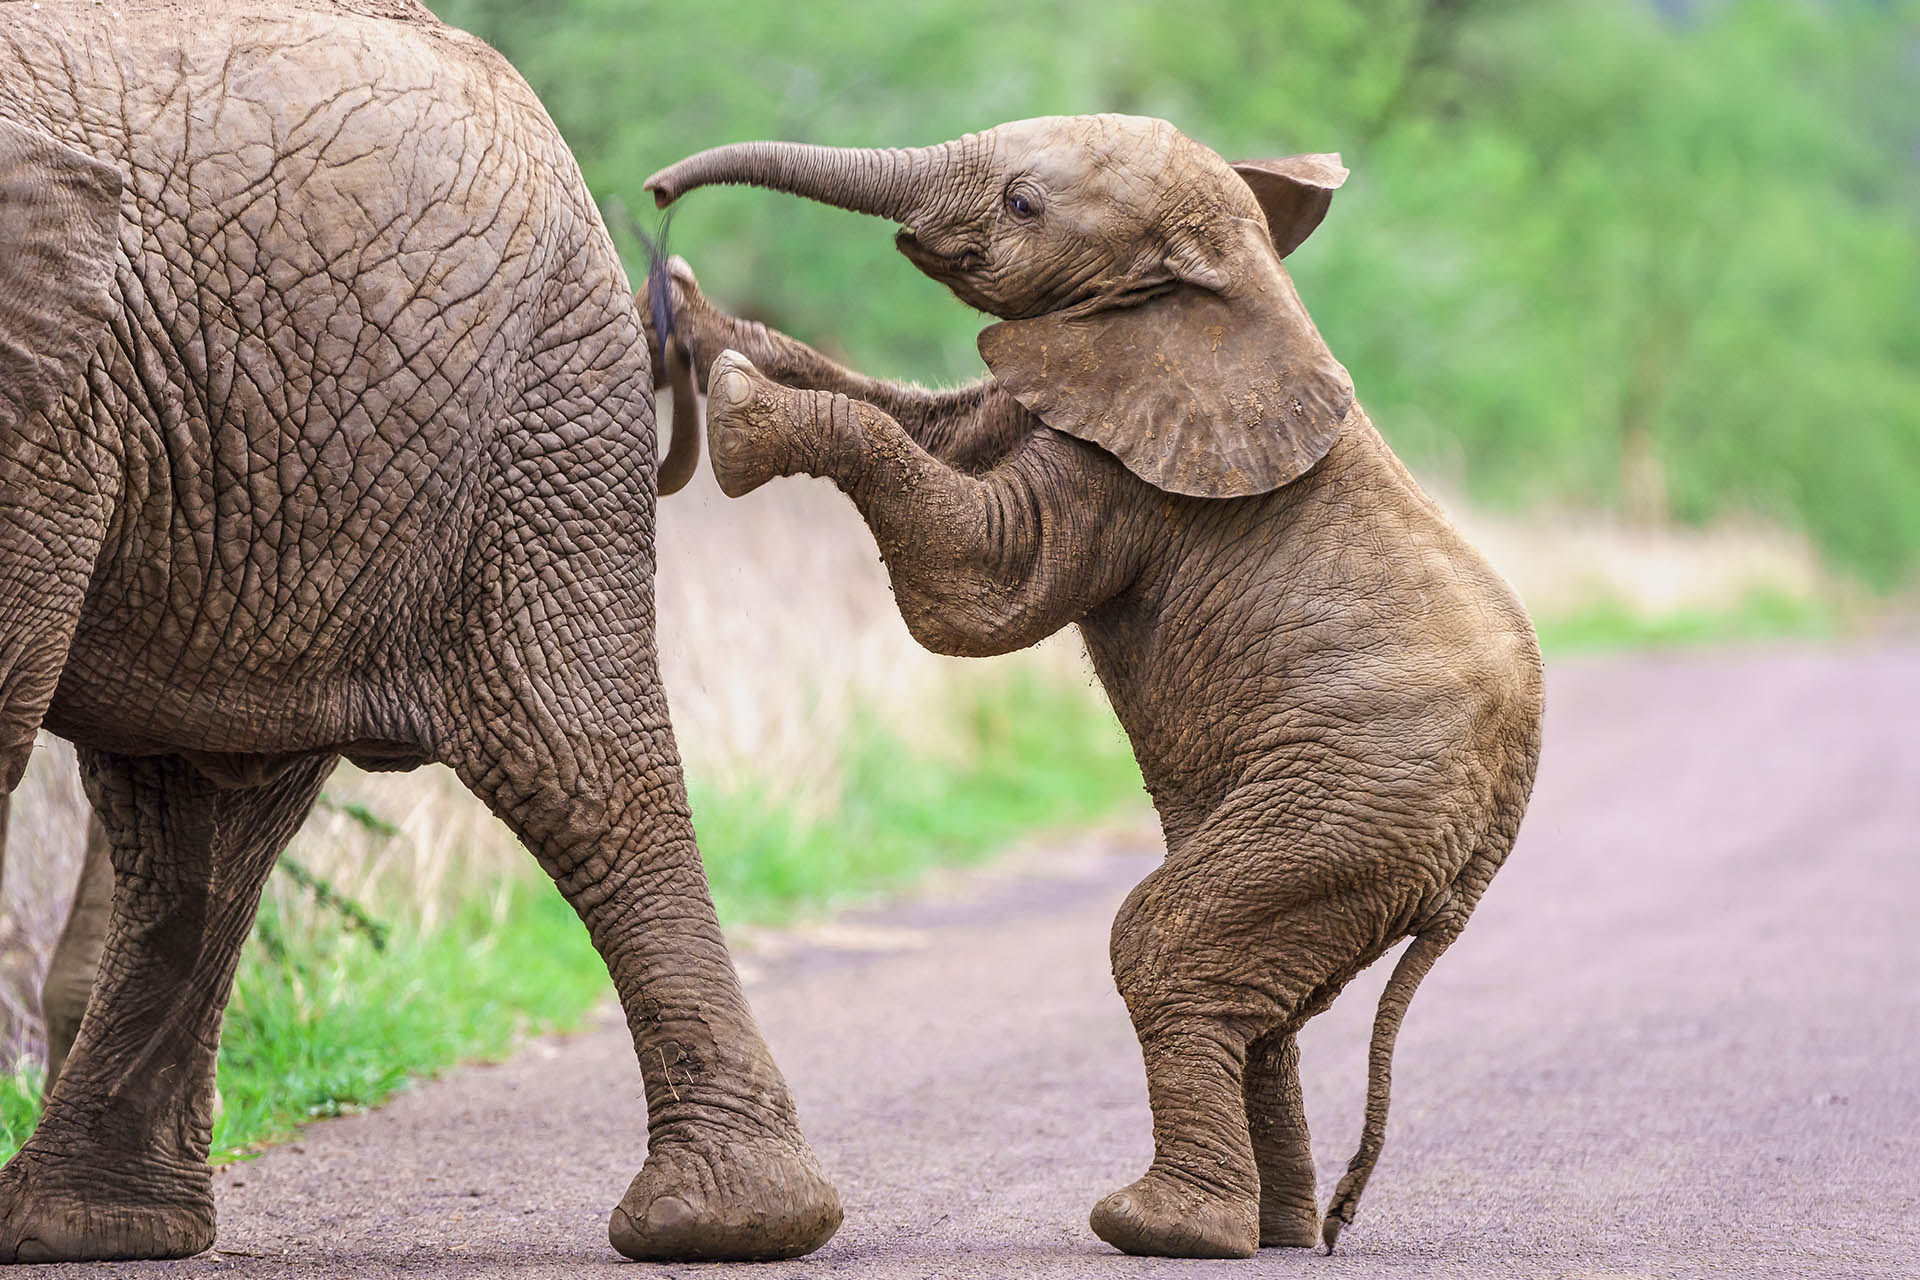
1663,258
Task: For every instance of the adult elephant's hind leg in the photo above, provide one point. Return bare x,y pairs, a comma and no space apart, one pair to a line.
569,743
69,980
118,1167
1282,1150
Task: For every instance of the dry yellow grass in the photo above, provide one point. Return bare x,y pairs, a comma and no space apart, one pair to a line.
46,834
1564,564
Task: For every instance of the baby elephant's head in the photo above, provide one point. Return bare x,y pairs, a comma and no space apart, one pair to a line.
1138,275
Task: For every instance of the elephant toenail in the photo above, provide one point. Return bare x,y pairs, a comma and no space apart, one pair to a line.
669,1215
731,387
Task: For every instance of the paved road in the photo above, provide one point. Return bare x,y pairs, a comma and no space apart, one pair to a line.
1681,1038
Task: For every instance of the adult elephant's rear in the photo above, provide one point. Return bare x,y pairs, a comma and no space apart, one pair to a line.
326,428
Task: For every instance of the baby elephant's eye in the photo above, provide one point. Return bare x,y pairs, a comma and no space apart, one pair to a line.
1019,204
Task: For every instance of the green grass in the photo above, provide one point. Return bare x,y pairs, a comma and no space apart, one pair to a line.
19,1107
324,1022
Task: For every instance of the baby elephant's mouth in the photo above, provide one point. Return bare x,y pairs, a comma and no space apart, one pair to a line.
940,265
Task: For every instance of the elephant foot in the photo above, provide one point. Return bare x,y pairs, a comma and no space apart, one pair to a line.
60,1211
744,421
1162,1217
763,1202
1289,1226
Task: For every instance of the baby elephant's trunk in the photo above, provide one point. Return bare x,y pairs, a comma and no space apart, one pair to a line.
1412,967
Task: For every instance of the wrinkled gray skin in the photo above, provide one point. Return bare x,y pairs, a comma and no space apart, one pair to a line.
326,429
76,957
1335,702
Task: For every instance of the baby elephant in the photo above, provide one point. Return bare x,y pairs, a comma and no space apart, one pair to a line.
1335,702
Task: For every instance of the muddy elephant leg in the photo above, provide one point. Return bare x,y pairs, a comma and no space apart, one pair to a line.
118,1167
1237,936
1200,1198
76,958
579,760
1282,1151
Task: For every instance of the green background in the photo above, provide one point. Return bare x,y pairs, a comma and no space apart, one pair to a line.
1663,259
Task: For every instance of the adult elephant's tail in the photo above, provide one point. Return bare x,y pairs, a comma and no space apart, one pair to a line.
655,300
683,444
1414,962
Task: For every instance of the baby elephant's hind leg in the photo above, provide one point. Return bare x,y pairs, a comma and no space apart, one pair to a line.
1227,942
1277,1121
70,971
1200,1198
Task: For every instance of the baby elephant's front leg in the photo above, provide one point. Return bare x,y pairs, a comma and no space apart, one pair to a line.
758,430
980,564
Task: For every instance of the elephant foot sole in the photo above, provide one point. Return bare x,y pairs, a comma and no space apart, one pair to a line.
741,441
763,1202
54,1210
1162,1217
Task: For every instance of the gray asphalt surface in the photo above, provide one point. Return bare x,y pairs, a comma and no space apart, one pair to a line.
1680,1038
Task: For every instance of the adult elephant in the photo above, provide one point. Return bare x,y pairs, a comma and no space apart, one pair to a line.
326,428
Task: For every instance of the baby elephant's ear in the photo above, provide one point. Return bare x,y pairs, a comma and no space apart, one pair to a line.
1294,192
1197,392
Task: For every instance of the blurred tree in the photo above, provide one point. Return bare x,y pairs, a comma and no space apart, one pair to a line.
1663,257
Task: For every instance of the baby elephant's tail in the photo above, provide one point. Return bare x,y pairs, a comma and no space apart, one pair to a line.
1427,945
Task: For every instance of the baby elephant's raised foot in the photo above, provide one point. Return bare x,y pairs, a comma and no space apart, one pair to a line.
69,1216
761,1204
746,420
1164,1218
